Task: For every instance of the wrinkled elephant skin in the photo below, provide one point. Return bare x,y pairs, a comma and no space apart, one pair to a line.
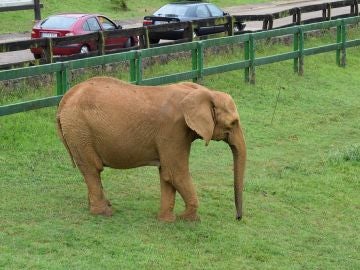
105,122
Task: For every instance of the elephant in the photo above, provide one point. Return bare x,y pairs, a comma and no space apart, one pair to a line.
106,122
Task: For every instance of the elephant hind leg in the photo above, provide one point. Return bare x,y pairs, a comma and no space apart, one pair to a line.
98,204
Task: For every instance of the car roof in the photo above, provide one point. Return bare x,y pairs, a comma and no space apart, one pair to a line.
75,15
188,3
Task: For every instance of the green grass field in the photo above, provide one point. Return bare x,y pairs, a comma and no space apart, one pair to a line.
302,201
22,21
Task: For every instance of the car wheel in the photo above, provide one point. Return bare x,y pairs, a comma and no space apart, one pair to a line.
127,43
154,40
84,49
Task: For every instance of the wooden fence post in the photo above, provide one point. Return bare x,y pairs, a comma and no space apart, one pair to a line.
146,38
49,51
37,10
101,43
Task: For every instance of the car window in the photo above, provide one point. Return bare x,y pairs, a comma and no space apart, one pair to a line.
106,23
202,12
86,26
172,10
58,22
215,11
92,24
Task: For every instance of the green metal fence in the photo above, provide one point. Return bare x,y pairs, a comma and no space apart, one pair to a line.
197,71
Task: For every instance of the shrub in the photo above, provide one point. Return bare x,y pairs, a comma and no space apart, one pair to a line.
120,4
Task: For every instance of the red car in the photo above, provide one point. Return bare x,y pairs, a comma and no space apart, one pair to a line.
78,24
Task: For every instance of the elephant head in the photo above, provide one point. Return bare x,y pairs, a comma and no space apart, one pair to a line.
213,116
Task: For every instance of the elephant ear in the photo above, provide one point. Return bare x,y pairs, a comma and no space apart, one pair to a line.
198,110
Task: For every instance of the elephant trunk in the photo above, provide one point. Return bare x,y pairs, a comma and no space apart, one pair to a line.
238,148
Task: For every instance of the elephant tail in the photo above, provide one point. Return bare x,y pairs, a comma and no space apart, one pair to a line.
62,138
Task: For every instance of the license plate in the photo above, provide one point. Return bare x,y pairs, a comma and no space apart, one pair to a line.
161,22
48,35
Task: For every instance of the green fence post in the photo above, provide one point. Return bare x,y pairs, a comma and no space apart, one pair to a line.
338,41
138,67
247,57
62,81
133,70
301,52
194,62
198,61
343,43
252,59
341,40
296,49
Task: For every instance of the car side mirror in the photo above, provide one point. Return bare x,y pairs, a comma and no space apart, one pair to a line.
119,27
226,13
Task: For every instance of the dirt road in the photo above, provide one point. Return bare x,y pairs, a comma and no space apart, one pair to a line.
253,9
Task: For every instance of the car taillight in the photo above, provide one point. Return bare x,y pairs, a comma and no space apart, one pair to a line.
34,34
147,22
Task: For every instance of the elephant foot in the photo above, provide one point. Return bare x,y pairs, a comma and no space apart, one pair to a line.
189,216
166,217
104,210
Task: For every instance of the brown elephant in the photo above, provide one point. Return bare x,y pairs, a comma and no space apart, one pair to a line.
107,122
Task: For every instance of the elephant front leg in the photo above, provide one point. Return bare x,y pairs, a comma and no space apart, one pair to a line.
185,187
167,200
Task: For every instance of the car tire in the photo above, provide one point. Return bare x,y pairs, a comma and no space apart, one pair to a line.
154,40
84,49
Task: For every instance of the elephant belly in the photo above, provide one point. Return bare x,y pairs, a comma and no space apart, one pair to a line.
127,157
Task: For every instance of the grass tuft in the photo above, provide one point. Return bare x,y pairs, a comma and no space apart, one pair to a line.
347,154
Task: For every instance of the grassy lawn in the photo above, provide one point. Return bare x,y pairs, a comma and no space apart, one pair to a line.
20,21
302,187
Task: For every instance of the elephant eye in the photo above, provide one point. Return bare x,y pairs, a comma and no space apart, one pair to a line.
233,123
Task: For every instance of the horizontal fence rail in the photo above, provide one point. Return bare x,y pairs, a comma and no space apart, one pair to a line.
197,49
231,24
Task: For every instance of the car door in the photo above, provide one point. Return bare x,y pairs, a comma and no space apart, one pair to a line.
202,12
216,12
92,25
111,42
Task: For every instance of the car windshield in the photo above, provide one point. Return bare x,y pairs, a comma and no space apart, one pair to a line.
58,22
172,10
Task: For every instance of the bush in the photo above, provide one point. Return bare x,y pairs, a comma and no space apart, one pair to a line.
120,4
